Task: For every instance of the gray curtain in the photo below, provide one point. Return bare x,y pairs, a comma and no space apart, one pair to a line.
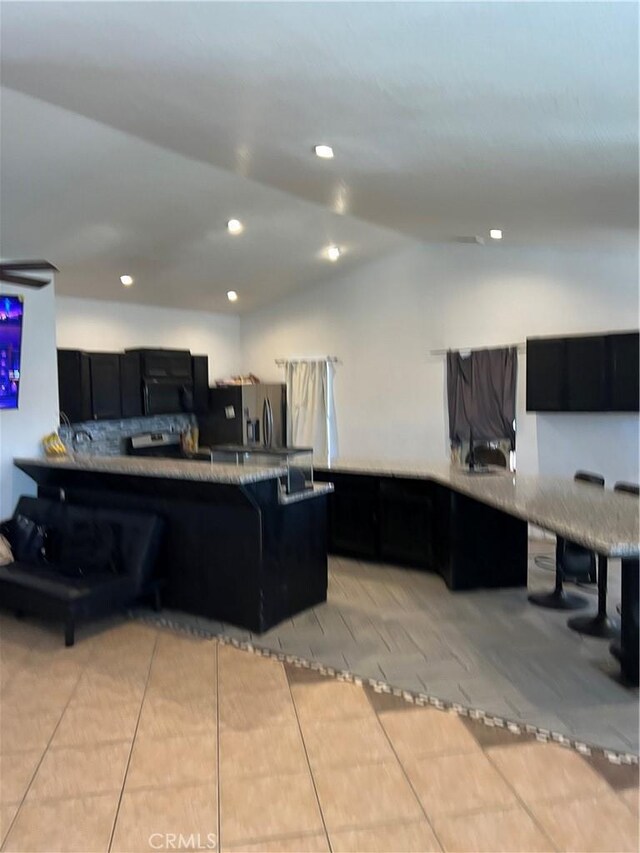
481,392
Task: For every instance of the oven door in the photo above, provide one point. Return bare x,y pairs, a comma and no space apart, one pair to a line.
167,397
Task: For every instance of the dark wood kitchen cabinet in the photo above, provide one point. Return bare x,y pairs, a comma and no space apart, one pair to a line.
624,357
353,516
74,385
89,385
586,374
545,374
131,385
405,521
583,373
200,373
380,518
426,525
105,386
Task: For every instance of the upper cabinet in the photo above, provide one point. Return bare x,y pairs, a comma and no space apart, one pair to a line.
108,386
624,357
588,373
545,376
74,385
105,385
89,385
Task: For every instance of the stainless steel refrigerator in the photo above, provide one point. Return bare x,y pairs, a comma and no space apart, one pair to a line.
245,415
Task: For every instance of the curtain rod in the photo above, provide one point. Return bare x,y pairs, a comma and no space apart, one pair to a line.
331,358
521,346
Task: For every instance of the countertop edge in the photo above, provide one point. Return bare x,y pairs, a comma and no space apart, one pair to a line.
453,479
189,470
318,490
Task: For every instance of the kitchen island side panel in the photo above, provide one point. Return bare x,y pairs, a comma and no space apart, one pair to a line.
231,552
295,566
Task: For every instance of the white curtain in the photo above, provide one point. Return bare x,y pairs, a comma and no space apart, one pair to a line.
311,410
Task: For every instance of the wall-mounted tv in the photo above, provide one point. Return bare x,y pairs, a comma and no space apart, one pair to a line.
11,311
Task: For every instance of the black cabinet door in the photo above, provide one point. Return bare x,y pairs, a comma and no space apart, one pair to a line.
105,385
353,516
624,355
406,522
165,363
586,374
200,371
223,422
546,375
131,385
74,385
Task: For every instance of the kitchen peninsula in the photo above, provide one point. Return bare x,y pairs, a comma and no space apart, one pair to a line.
237,548
472,527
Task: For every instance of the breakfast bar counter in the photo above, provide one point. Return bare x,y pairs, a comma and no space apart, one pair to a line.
602,520
236,547
472,527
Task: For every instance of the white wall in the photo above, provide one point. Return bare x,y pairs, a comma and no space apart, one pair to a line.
383,319
22,429
101,326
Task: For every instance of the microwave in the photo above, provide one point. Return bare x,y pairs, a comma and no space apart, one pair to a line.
167,396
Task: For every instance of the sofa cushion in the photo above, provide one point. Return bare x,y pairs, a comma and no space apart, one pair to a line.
48,581
138,533
82,547
27,538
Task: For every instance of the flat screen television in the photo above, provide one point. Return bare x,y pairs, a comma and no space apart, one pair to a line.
11,311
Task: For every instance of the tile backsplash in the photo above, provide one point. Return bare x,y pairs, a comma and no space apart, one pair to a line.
108,437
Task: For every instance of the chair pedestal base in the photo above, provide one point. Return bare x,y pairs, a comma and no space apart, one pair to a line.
559,599
599,625
595,626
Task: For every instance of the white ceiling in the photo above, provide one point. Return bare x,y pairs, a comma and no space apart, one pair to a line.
132,131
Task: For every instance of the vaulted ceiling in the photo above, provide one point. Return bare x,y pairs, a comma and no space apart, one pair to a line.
131,132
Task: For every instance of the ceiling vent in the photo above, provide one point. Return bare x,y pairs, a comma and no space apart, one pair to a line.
478,241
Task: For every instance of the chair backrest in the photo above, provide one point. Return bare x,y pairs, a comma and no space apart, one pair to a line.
630,488
486,455
588,477
138,533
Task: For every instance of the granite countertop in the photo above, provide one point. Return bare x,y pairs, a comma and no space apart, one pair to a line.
173,469
599,519
315,492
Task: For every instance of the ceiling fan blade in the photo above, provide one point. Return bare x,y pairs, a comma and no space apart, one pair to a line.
14,266
26,281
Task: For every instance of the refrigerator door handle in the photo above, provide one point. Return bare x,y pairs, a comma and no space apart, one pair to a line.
265,422
268,422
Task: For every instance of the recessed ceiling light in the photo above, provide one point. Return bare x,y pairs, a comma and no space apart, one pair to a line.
232,296
234,226
333,253
323,151
126,280
495,234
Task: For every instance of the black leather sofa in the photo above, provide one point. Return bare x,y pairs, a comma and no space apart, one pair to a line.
41,589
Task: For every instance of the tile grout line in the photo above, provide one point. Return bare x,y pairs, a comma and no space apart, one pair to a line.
44,752
409,782
414,697
519,799
218,747
306,755
133,741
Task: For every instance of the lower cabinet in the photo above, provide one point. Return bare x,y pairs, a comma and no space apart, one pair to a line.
353,516
405,522
378,518
426,525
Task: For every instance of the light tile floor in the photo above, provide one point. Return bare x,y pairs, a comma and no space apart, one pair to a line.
141,739
486,649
